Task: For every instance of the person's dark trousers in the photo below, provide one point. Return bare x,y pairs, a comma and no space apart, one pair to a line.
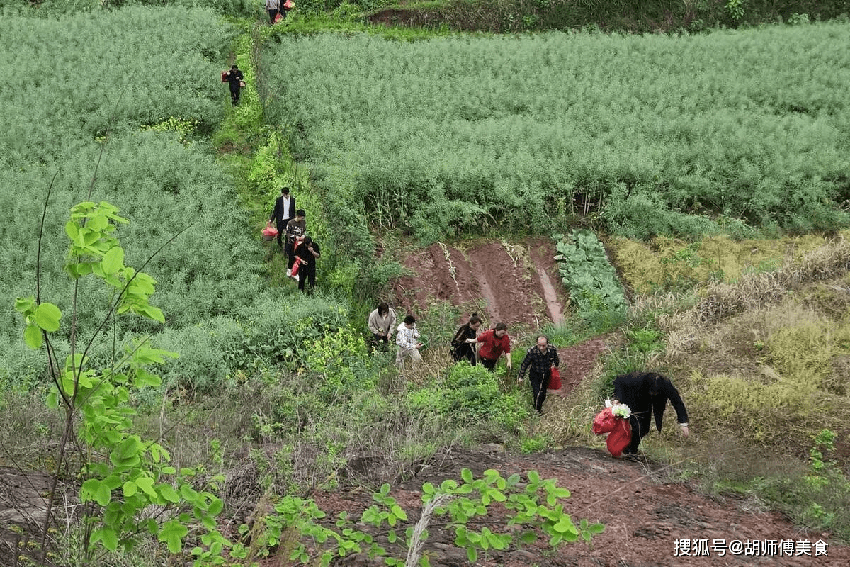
234,94
306,273
466,352
290,254
538,390
489,364
272,15
640,427
281,231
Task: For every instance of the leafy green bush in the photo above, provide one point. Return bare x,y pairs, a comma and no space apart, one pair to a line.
470,394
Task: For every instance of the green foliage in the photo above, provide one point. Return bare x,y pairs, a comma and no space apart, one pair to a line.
533,506
114,457
403,134
470,394
590,278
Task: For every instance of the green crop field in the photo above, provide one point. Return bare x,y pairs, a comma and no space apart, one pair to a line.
118,106
737,131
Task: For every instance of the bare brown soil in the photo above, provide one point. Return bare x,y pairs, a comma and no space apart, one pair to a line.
644,508
516,283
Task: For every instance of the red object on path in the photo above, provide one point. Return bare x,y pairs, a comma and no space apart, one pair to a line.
288,5
554,380
269,232
618,429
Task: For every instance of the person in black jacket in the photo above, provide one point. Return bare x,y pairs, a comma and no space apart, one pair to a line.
283,212
540,359
463,343
236,80
308,252
646,394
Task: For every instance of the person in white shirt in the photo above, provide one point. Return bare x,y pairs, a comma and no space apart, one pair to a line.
406,339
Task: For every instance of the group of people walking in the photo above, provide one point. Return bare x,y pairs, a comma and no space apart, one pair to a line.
646,393
300,249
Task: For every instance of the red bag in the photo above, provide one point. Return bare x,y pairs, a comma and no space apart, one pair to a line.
618,429
554,380
278,18
224,76
295,266
288,5
269,232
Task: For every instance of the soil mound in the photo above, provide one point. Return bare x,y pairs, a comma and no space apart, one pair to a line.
515,283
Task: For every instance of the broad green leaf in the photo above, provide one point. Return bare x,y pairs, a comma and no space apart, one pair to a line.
33,337
103,494
146,484
168,493
596,528
71,230
466,475
145,378
188,492
53,399
130,488
399,513
172,533
24,305
215,507
113,260
47,317
564,526
107,536
471,554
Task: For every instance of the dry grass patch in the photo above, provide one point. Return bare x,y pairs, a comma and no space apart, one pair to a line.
668,263
771,376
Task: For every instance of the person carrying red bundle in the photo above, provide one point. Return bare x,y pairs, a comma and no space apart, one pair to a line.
646,394
539,361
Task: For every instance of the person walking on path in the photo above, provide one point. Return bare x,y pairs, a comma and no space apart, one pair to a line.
295,229
236,81
283,212
494,343
273,8
408,344
539,361
463,343
381,323
308,252
646,394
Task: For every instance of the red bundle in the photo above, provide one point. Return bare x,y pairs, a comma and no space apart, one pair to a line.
554,380
269,232
295,266
618,429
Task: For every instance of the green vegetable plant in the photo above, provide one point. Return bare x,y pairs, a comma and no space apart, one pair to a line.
122,476
533,506
589,277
